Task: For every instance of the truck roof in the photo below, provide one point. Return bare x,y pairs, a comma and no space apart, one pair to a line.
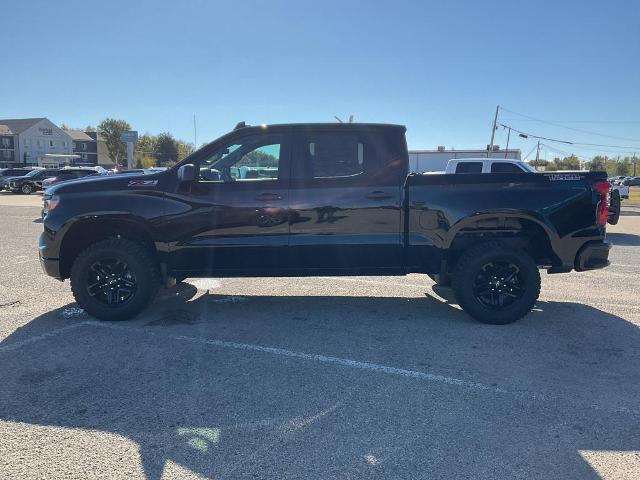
482,159
322,125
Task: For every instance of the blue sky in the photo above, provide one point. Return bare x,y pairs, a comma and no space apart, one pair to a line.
438,67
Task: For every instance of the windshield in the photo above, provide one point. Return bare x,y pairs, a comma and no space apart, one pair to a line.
33,173
528,168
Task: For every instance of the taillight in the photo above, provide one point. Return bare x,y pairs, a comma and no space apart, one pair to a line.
602,212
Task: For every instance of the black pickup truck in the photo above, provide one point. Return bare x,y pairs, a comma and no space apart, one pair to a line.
322,199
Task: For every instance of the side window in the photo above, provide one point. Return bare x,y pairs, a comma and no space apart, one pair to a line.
469,167
505,167
250,159
334,155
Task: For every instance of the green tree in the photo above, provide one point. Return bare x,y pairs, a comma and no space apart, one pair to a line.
111,129
146,145
597,164
548,166
166,149
567,163
184,149
261,159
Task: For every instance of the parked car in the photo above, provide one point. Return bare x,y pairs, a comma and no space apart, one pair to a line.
69,173
631,182
349,208
7,173
617,179
30,182
623,190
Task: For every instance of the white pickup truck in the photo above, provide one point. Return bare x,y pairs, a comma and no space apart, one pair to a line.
486,165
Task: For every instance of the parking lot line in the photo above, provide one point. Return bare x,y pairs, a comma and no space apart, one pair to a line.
318,358
346,362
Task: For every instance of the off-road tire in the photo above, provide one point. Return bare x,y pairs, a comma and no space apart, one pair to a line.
140,261
470,265
614,207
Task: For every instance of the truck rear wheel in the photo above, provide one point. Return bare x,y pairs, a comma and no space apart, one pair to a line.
114,279
495,283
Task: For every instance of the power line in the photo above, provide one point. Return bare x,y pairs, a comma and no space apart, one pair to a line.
570,128
622,122
563,152
527,155
568,142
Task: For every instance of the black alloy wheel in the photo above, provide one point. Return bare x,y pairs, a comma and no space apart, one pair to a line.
498,285
115,278
111,282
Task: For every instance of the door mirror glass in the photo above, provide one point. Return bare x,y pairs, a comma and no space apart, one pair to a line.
187,173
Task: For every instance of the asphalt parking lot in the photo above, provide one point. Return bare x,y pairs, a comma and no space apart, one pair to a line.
318,377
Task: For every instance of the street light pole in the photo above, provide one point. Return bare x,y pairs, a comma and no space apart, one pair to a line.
506,150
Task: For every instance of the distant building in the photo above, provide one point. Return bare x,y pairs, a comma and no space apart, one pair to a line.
85,147
7,146
104,159
34,141
436,160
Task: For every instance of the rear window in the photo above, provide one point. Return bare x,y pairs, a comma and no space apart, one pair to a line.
469,167
504,167
335,155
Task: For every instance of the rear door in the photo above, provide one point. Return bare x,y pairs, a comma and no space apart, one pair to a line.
345,199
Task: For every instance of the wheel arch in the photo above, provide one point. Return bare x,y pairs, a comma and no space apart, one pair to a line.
86,231
527,231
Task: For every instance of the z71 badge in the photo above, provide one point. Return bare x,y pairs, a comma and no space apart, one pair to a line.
142,183
554,177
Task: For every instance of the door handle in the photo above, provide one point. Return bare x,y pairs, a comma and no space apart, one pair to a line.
379,195
266,197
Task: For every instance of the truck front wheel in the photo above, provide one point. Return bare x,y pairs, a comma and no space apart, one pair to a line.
495,283
114,279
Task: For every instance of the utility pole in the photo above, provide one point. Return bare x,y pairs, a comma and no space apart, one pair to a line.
634,164
493,130
538,151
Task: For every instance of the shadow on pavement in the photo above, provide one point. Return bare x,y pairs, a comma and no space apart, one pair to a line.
624,239
231,413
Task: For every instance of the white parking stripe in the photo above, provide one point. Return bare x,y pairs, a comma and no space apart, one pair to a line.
313,357
345,362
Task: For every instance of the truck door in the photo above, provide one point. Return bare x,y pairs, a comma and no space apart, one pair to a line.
234,217
345,200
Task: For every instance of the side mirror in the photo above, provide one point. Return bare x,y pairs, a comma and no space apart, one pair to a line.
187,173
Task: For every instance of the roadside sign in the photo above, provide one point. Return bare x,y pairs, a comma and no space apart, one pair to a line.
129,136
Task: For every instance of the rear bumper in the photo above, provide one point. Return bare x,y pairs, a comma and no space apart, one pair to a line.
593,255
51,266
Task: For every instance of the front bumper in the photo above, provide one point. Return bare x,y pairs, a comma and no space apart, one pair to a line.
593,255
51,266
